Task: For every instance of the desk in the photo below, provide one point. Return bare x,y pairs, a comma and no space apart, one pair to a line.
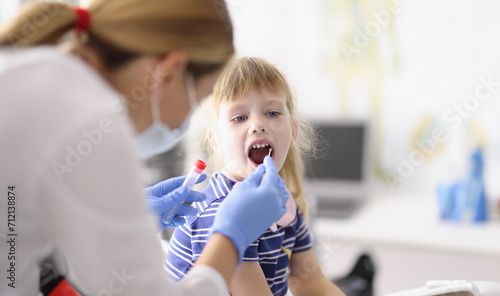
410,243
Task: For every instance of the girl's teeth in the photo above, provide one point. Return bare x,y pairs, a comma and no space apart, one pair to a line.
260,145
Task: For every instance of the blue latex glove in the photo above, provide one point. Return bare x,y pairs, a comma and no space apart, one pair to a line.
169,193
252,206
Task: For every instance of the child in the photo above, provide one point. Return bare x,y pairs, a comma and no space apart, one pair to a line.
250,116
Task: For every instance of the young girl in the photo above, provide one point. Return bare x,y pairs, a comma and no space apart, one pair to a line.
251,116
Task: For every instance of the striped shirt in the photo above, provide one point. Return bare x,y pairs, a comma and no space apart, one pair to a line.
272,249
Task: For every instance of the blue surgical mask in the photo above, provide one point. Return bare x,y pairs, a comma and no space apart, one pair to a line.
159,137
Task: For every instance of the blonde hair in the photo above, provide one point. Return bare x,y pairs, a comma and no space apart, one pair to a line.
240,77
200,28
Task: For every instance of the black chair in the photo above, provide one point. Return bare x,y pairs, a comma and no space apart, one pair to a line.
359,282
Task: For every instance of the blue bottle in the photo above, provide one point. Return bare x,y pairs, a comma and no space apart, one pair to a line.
476,193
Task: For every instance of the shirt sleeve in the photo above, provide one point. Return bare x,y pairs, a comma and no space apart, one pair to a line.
95,215
303,236
200,229
189,240
252,252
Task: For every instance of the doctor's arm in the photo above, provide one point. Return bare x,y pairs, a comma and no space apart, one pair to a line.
95,216
306,277
248,280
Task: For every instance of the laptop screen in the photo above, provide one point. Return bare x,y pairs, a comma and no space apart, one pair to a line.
340,154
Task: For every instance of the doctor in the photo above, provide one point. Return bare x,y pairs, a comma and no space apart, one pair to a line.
69,123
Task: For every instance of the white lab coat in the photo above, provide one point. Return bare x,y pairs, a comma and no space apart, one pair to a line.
72,159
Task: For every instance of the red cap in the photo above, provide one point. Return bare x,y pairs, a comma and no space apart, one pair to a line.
82,19
63,288
200,164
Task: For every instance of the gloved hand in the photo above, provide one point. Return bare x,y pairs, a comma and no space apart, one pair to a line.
252,206
169,193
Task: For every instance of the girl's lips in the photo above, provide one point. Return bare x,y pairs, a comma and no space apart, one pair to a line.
255,165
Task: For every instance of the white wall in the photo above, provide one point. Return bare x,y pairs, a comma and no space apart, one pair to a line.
443,48
7,9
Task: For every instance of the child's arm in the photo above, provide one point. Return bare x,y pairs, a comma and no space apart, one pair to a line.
249,280
306,277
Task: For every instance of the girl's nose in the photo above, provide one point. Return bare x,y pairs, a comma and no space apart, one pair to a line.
258,126
259,130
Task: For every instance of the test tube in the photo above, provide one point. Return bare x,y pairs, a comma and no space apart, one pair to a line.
192,177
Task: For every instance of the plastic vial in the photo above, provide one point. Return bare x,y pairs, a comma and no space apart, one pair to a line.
192,177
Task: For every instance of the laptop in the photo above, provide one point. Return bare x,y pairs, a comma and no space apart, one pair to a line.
337,177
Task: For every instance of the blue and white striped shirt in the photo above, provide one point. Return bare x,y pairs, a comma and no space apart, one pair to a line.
272,249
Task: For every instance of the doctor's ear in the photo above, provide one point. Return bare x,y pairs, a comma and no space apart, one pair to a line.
171,66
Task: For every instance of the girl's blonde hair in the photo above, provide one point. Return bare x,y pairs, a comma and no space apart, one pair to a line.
239,78
122,29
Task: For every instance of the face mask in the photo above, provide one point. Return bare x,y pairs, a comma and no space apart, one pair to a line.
158,137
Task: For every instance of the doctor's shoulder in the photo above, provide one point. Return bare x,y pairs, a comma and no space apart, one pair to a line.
45,74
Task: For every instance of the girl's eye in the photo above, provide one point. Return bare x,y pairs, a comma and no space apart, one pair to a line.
273,113
240,118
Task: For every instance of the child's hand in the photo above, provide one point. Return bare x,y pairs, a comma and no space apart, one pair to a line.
252,206
169,193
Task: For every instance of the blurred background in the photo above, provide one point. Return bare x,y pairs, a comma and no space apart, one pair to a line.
425,75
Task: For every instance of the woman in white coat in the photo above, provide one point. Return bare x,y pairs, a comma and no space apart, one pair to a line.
69,126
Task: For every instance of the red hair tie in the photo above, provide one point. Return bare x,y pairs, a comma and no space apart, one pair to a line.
82,19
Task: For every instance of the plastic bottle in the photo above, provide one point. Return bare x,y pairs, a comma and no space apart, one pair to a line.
192,177
452,188
476,190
